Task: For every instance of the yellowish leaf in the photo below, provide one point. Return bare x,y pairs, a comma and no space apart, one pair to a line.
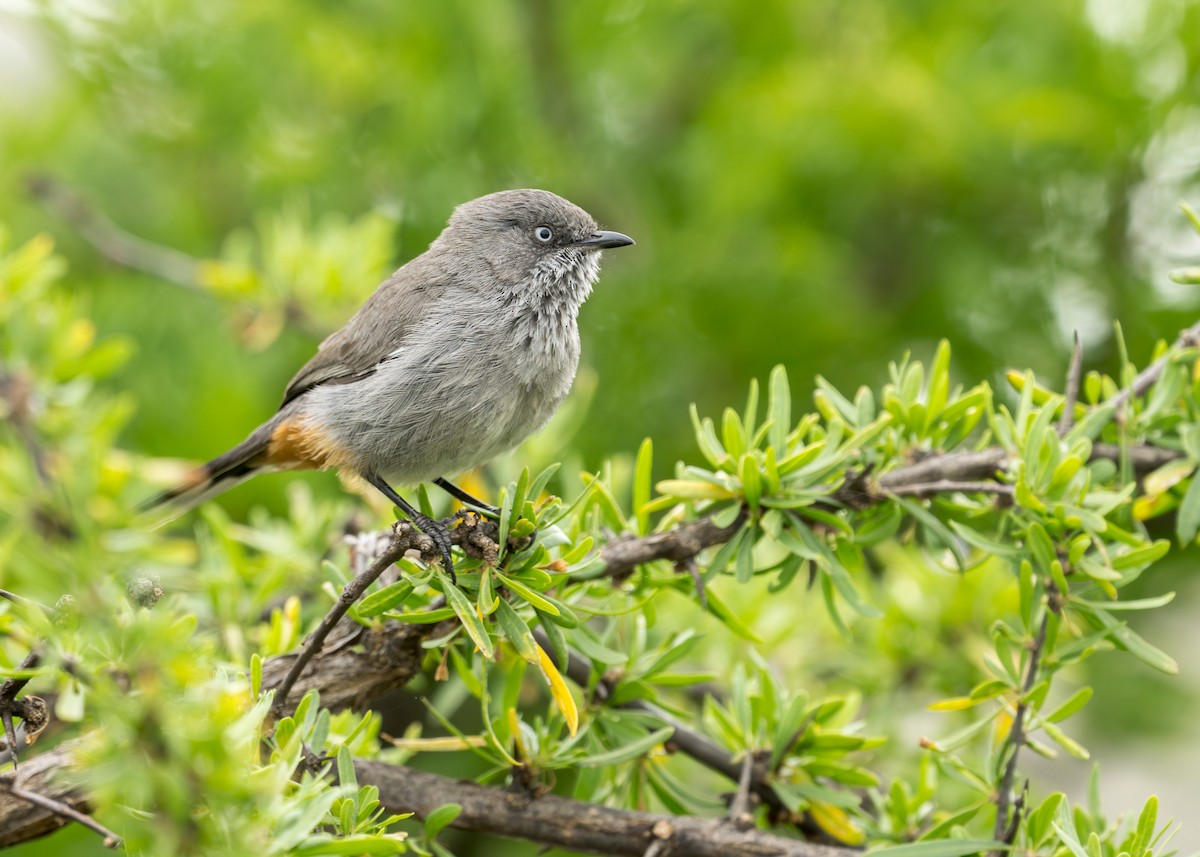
836,823
559,691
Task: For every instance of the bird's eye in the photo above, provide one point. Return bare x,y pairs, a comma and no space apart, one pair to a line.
544,234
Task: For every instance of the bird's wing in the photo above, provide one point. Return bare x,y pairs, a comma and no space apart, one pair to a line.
376,330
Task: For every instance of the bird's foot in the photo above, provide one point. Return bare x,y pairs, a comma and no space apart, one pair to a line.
440,534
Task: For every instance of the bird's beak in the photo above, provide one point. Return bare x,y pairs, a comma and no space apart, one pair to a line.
604,240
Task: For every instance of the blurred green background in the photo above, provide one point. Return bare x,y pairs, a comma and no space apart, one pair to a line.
823,184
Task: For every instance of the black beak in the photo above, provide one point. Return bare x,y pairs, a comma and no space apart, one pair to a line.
604,241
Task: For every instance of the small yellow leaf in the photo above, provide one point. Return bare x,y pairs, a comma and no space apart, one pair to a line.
1151,506
514,726
955,703
693,489
449,742
836,823
559,691
1003,725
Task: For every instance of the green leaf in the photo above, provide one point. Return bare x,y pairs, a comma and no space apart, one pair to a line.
364,844
1187,520
465,611
441,818
517,631
930,522
941,848
528,594
1077,701
1131,642
643,485
1038,826
1142,556
1145,828
779,410
345,768
255,675
1065,741
385,599
718,608
628,751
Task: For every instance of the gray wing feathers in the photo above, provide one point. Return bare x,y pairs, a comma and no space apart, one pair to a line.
376,330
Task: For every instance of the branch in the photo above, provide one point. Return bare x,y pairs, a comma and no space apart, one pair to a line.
65,812
623,554
391,654
1146,379
951,486
111,240
20,820
1006,829
363,663
575,825
1074,375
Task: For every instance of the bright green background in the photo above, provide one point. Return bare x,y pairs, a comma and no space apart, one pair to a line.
820,184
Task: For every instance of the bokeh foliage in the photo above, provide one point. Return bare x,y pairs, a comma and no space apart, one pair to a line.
870,176
822,185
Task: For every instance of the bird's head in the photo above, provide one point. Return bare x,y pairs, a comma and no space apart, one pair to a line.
532,242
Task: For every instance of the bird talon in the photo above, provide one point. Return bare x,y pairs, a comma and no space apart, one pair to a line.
440,535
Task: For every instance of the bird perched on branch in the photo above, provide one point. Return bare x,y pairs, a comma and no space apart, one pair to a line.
460,355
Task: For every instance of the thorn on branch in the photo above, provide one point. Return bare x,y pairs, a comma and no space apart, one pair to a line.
739,808
1074,375
689,565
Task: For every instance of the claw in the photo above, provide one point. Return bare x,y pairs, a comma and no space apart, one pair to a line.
437,531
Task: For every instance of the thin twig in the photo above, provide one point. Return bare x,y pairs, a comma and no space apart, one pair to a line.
692,744
474,534
951,486
62,810
111,240
1147,377
1004,831
689,565
1074,375
576,825
8,701
739,807
350,593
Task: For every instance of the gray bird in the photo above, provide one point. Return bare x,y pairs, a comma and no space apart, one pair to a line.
458,356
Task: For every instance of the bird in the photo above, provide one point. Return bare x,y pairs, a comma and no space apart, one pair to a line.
458,356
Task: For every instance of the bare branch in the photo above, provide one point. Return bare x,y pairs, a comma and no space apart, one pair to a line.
20,820
623,554
1146,379
951,486
575,825
1072,392
1006,828
353,681
66,812
111,240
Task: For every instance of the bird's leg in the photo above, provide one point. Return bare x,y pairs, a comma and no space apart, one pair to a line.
462,496
485,509
431,527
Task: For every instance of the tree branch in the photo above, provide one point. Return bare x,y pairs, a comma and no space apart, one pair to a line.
575,825
1146,379
1006,828
111,240
1074,374
21,820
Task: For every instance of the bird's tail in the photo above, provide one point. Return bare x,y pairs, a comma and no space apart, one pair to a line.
217,476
